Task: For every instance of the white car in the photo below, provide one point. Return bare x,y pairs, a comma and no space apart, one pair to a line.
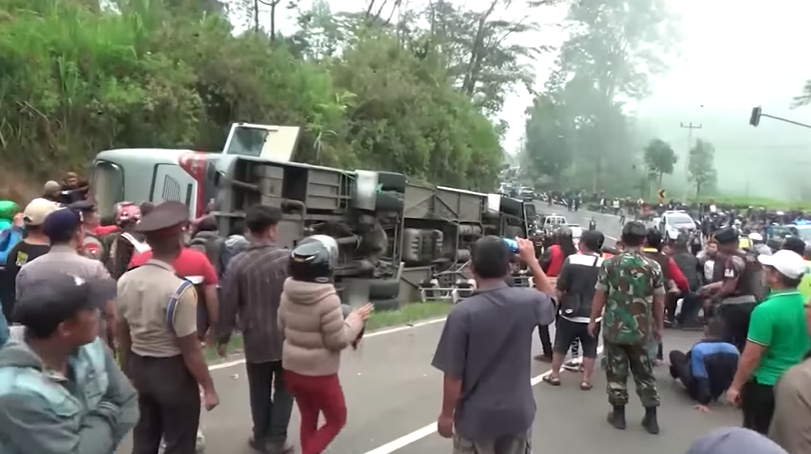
577,232
554,222
673,222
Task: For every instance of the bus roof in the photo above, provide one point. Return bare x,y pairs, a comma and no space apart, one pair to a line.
168,155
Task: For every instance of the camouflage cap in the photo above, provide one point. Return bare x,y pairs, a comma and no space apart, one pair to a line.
634,228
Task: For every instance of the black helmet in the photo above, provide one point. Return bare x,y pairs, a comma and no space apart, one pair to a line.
314,259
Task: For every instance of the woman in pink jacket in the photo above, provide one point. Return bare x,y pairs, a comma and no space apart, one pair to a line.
315,332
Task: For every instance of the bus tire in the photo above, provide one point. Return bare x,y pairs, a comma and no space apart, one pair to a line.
386,305
381,289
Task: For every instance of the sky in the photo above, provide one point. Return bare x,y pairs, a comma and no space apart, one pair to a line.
734,55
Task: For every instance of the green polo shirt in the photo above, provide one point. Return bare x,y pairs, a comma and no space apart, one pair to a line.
778,323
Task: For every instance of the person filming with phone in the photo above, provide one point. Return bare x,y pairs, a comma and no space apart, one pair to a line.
487,403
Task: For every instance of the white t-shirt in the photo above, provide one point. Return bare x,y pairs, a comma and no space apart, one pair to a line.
709,265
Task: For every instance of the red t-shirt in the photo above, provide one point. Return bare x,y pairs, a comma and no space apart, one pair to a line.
105,230
189,263
555,261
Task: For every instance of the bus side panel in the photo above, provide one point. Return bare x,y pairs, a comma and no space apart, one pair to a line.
171,183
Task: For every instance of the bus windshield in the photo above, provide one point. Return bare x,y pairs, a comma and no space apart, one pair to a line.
108,187
247,141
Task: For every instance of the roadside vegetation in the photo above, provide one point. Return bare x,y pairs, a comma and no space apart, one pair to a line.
743,202
406,89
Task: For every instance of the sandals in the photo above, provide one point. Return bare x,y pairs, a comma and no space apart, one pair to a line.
555,381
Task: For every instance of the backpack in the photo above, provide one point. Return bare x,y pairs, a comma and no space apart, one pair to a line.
122,248
107,242
228,252
211,247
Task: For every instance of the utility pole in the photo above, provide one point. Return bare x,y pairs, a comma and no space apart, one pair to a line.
689,127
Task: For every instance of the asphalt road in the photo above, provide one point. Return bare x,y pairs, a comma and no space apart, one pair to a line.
393,396
573,421
606,223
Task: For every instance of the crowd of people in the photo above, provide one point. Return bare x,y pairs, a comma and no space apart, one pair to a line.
104,328
749,303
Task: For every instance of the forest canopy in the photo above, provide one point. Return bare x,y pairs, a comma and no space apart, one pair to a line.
580,129
387,87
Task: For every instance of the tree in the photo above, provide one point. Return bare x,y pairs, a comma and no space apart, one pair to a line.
614,49
701,166
477,50
546,151
804,98
78,79
660,159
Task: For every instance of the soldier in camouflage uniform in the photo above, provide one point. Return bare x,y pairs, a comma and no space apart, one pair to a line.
631,288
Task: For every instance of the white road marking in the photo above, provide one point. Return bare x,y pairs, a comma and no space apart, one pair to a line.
403,328
381,332
429,429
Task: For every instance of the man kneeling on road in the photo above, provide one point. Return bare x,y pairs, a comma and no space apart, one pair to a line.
707,370
484,352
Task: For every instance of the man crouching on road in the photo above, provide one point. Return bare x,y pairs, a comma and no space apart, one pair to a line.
484,352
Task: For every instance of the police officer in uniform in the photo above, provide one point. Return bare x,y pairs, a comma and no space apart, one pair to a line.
92,246
160,350
731,292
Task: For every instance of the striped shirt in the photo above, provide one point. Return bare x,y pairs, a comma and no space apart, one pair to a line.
251,292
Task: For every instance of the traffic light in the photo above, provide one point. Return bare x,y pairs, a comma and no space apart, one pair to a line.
754,119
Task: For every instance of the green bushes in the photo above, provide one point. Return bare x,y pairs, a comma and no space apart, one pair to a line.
75,79
743,202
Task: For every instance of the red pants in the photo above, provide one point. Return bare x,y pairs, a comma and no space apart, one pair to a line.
316,395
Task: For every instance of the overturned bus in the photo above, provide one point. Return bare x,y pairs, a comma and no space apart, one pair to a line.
393,234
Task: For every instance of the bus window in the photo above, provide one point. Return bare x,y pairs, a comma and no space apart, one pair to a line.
107,187
247,141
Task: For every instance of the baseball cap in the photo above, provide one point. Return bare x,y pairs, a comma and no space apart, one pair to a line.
59,298
754,236
83,206
735,440
786,262
37,210
52,186
60,224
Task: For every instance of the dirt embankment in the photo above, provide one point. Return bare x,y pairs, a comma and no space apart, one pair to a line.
19,186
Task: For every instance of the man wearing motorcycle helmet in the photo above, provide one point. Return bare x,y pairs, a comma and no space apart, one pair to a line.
123,244
315,333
